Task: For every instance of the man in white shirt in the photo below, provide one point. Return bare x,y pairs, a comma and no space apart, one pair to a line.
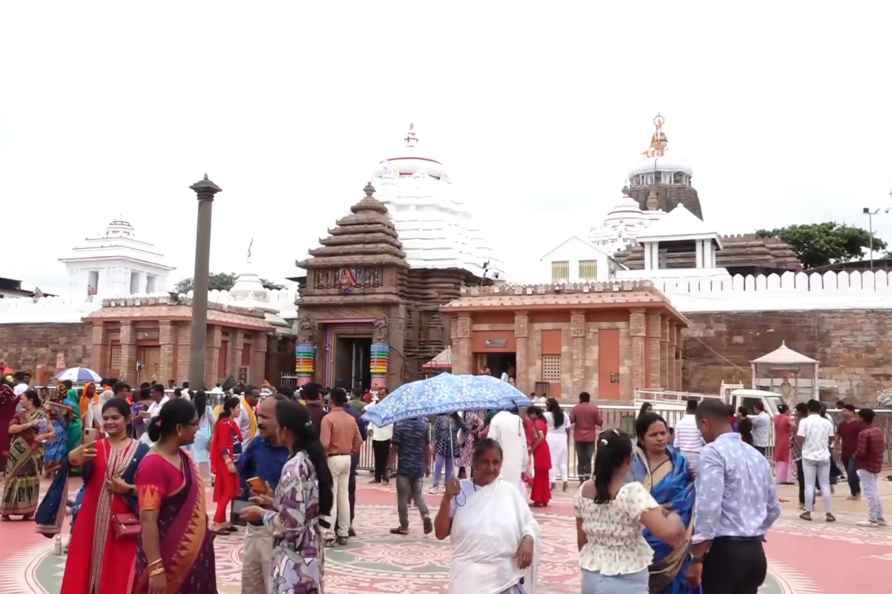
761,428
158,401
688,439
814,435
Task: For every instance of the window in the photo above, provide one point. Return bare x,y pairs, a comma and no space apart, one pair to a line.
134,283
588,270
551,368
93,283
246,355
151,280
560,272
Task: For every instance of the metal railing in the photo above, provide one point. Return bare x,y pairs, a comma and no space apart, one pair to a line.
622,417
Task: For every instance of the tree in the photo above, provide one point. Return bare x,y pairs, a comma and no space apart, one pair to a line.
221,281
820,244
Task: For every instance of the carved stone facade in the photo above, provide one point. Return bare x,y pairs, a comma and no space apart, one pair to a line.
608,339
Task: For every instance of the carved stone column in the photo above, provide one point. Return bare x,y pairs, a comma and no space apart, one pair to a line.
665,359
679,360
522,352
212,355
461,355
577,355
654,331
167,340
128,352
99,350
637,336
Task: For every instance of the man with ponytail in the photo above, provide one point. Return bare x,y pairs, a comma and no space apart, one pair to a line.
736,505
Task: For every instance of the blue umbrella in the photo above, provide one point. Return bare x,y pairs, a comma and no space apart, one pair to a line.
444,394
78,375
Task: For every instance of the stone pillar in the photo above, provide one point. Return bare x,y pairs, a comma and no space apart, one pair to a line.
637,336
522,352
205,190
665,359
577,352
461,345
214,334
257,373
679,360
167,340
236,347
654,330
99,350
128,352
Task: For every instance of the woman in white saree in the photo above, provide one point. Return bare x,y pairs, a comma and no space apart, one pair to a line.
492,530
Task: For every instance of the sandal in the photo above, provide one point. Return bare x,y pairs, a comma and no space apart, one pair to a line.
830,518
806,515
400,531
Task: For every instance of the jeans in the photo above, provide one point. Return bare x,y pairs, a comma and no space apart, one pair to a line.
382,451
871,494
734,567
447,460
629,583
409,488
585,450
339,466
852,475
821,470
800,479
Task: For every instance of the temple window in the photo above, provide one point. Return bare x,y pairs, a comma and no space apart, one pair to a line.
93,282
560,271
134,283
588,270
551,368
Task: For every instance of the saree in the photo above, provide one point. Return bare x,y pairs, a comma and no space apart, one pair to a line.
488,524
783,455
21,491
51,511
186,544
672,488
8,402
541,483
75,426
99,561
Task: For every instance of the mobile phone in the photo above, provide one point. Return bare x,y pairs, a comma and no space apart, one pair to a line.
258,485
90,435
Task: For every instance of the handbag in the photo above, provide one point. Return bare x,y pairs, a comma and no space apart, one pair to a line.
125,524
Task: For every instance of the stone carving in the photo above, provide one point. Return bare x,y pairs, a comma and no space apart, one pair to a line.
348,278
306,330
521,325
380,333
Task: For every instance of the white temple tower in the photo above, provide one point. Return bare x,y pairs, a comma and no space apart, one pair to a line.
433,223
115,264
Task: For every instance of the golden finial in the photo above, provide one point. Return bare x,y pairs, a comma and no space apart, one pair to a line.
658,140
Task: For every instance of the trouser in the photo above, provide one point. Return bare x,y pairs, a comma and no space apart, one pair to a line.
257,560
852,474
821,470
800,479
871,494
593,582
557,446
734,566
382,450
447,460
584,452
351,486
406,489
835,472
339,467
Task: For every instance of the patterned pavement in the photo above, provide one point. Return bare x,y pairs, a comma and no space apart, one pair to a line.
804,558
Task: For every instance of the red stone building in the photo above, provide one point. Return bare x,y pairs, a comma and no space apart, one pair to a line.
149,339
608,339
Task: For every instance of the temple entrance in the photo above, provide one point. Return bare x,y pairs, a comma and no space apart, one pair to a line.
497,363
352,363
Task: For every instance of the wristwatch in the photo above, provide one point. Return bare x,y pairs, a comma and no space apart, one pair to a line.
695,558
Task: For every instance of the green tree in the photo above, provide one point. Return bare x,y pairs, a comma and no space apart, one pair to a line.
820,244
221,281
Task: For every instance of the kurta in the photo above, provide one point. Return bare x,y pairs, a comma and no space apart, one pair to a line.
507,429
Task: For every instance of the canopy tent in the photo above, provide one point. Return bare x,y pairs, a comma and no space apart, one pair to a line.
442,362
775,371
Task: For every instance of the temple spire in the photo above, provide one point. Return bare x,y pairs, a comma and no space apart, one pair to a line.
658,140
411,138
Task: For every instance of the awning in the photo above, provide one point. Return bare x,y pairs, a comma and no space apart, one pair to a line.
442,361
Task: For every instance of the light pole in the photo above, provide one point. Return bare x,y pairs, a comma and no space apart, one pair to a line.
205,190
870,213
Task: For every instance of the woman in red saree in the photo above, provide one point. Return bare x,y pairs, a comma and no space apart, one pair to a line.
783,456
175,553
99,560
541,492
223,451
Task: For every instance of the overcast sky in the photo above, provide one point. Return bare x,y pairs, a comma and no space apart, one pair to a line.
784,112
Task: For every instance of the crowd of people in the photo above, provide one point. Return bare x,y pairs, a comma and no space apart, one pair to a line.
666,510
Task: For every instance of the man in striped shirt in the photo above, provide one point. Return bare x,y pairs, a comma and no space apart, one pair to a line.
688,439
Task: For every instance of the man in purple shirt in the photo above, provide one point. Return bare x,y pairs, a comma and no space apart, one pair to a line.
736,505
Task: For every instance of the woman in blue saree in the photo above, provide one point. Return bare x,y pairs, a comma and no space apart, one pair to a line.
67,433
664,472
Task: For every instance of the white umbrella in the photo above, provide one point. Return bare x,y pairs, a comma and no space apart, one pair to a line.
78,375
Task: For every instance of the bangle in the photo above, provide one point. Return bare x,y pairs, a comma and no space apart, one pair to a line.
156,563
156,571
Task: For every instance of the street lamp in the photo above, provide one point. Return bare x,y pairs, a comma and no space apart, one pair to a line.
870,214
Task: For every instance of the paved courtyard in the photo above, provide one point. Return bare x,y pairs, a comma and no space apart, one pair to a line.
804,558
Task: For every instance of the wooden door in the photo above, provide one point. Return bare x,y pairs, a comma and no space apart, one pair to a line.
150,360
608,364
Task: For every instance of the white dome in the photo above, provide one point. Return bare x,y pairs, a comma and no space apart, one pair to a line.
651,164
626,208
119,228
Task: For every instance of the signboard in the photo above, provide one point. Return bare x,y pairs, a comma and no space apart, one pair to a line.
495,343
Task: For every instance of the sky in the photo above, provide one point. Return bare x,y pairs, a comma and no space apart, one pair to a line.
537,110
